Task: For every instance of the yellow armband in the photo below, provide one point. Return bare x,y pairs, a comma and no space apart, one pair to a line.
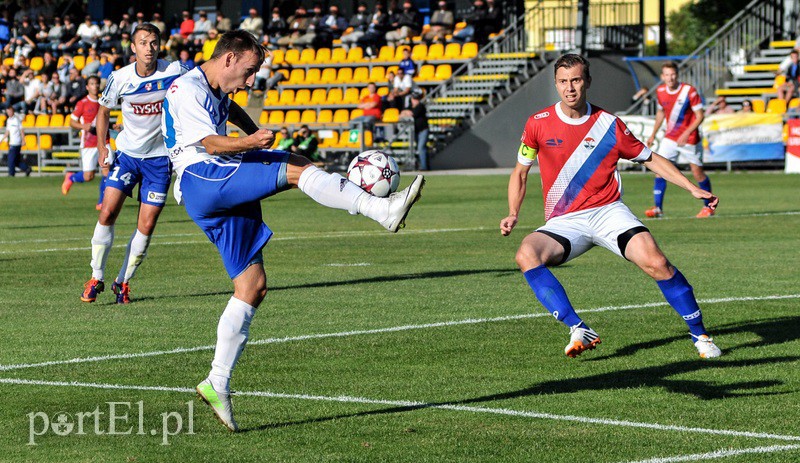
526,152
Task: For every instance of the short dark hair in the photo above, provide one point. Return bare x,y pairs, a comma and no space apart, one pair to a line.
570,60
91,78
149,29
670,65
238,41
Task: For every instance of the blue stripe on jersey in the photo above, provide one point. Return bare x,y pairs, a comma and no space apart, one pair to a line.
681,114
156,85
109,82
169,137
589,167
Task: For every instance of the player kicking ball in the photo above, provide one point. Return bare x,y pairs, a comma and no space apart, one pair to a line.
222,180
83,119
141,158
578,146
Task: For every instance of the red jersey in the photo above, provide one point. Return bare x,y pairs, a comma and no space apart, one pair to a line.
85,113
376,111
578,157
679,106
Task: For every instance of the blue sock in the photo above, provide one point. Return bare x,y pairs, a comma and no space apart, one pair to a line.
659,189
77,177
705,185
552,295
102,188
680,296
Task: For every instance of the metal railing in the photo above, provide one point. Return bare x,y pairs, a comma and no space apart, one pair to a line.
735,43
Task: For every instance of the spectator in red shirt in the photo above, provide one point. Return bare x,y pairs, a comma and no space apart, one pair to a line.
371,105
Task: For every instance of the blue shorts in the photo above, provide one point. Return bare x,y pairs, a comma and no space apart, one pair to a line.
152,174
223,197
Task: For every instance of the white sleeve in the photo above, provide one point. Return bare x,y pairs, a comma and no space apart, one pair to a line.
110,96
192,108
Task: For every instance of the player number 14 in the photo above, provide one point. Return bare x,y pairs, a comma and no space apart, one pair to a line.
126,177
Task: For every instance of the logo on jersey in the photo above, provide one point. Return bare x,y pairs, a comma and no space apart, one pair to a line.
541,115
147,109
156,197
589,143
554,142
160,85
148,86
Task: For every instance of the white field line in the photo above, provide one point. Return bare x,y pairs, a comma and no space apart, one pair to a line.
393,329
720,454
421,405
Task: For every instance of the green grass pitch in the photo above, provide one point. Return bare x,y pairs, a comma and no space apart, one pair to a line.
424,346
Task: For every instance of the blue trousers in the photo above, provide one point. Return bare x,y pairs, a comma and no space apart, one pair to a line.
15,160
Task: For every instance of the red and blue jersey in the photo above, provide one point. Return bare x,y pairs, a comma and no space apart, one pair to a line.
679,106
578,157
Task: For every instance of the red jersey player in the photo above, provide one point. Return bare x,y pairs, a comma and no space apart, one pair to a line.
682,108
82,118
578,146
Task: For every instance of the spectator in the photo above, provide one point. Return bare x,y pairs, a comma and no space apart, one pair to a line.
359,22
41,30
223,24
263,81
187,25
475,31
406,64
305,144
15,135
33,89
88,34
109,35
106,68
298,24
54,100
92,67
407,25
210,44
125,47
69,34
719,106
286,141
139,20
747,106
276,27
792,74
442,22
5,29
125,24
200,31
66,65
54,35
371,105
76,89
50,64
402,85
419,114
160,25
42,105
314,25
376,31
253,24
185,59
24,41
494,20
15,92
330,28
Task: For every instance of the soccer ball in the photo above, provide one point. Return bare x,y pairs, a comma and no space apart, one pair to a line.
376,172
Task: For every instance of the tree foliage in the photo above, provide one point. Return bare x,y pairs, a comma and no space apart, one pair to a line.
694,22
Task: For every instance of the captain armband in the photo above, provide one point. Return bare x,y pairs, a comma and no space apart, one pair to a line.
526,155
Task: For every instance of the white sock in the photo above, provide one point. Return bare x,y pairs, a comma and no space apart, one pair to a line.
335,191
102,240
232,333
134,255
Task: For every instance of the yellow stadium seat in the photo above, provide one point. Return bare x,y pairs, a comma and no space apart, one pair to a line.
285,73
355,55
323,56
198,57
356,113
319,96
367,135
113,143
277,57
426,72
339,55
4,144
42,120
459,26
452,51
377,74
758,106
391,69
330,141
57,120
344,76
435,51
307,56
776,106
443,72
391,115
313,76
37,63
779,80
79,61
469,50
419,52
66,121
29,120
31,143
386,53
3,120
292,117
350,96
383,91
398,53
334,96
275,117
302,97
309,116
10,62
361,75
46,141
272,98
344,139
297,76
364,92
328,76
794,103
292,56
264,118
287,97
240,98
325,116
341,116
278,138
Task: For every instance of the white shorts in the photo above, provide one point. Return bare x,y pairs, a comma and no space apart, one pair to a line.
686,154
89,158
610,226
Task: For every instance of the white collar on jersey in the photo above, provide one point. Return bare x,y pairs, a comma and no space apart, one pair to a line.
673,92
568,120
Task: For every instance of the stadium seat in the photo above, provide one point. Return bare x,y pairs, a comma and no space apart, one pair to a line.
776,106
46,141
344,139
292,117
10,62
323,56
3,119
4,144
426,72
330,141
345,142
264,118
469,50
31,143
328,76
319,96
383,91
302,97
758,105
452,51
277,57
339,55
459,26
443,72
377,74
794,103
42,120
334,96
278,138
391,115
313,76
386,53
113,143
392,69
240,98
779,80
292,56
66,121
297,76
356,113
419,52
275,117
198,57
344,76
360,75
79,61
309,116
272,98
341,116
355,55
29,120
364,92
56,120
435,51
285,73
287,97
325,116
398,53
307,56
37,63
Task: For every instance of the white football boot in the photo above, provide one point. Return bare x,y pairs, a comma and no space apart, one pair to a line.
400,203
706,347
581,339
220,402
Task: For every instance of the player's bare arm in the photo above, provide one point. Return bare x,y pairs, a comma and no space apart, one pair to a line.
664,168
220,145
238,117
656,126
101,125
517,187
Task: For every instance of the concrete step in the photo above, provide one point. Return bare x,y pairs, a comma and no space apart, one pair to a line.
750,83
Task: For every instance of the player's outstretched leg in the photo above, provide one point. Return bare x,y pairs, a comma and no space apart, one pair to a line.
659,190
102,182
102,240
333,190
680,295
706,211
135,253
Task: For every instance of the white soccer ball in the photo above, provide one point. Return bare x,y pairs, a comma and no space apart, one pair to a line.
375,172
